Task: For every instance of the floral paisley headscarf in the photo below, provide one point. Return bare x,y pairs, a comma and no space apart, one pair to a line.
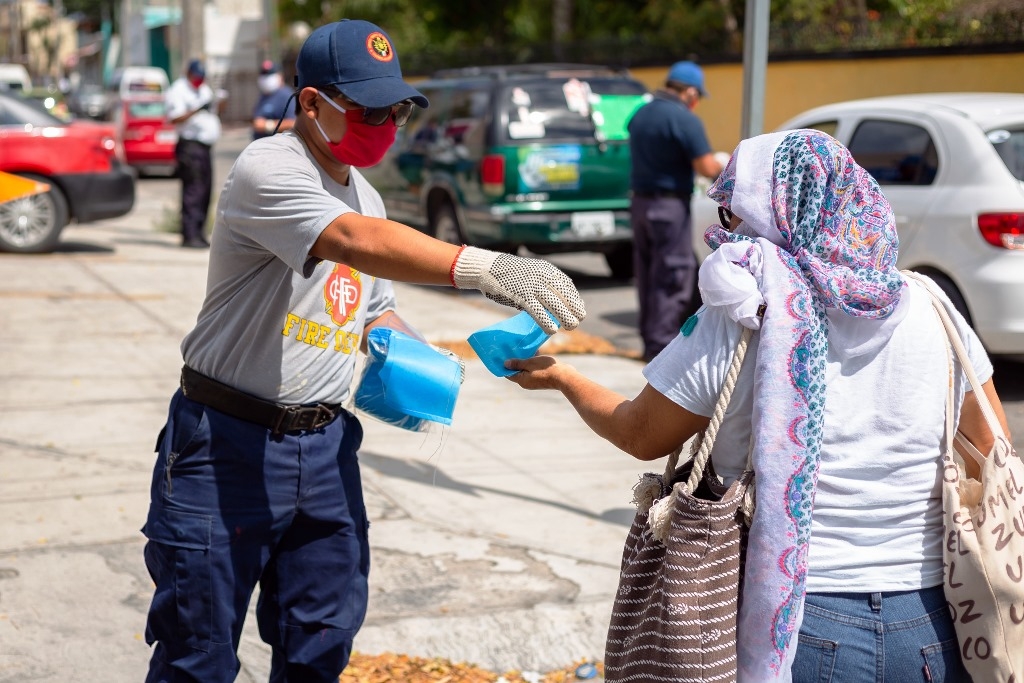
818,248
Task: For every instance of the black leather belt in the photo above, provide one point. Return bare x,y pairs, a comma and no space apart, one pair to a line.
662,194
278,418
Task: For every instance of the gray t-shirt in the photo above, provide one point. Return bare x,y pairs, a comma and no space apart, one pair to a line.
278,323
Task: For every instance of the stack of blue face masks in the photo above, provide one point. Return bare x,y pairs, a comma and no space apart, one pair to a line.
517,337
407,383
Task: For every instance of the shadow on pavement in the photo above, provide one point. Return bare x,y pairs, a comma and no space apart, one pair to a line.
430,475
70,247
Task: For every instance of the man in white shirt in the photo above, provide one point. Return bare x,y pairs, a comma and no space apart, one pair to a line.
191,107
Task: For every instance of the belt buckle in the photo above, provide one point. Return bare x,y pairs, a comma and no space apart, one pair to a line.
306,417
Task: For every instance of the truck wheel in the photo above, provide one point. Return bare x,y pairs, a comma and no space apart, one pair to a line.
32,225
620,262
446,226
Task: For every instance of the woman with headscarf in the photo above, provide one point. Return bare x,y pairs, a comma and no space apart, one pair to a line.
841,403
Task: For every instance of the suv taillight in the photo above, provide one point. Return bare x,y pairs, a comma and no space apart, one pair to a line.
492,173
1004,230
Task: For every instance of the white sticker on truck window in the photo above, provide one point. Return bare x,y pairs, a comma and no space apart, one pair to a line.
524,130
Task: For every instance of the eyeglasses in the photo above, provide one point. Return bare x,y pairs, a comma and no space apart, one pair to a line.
377,116
725,217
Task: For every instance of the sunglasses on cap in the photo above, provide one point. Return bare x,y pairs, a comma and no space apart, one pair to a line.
400,113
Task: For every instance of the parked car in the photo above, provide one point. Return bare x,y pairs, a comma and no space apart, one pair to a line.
530,155
91,101
148,137
81,161
14,78
952,167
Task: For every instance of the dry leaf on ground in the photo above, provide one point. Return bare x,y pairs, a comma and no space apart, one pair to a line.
389,667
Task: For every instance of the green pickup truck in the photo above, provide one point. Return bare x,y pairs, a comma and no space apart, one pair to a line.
533,156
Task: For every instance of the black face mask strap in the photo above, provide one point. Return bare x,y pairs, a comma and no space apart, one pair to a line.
284,110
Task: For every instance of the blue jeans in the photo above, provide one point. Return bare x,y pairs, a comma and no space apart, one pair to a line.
232,506
897,637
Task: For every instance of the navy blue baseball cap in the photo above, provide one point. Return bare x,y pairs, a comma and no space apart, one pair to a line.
688,73
358,59
196,67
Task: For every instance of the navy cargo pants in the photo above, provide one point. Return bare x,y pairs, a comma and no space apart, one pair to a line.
232,506
664,267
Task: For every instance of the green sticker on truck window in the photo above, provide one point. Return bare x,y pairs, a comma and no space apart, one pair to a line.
611,114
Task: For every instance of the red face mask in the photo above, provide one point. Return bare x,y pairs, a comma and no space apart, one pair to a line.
362,145
196,81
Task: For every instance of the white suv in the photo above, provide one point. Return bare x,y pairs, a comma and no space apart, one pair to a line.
952,167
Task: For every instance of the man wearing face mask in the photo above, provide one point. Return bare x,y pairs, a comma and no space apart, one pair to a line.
256,479
192,108
668,144
272,105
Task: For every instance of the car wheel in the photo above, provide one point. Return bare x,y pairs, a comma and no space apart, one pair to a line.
620,262
32,225
951,291
446,226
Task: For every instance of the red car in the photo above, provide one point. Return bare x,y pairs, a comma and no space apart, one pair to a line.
148,137
81,161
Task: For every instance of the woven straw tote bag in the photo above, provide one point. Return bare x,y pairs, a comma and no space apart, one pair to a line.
674,615
983,547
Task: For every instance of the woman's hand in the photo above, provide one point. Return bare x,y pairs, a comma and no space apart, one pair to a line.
539,372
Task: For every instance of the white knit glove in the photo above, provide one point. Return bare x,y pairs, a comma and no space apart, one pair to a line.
527,284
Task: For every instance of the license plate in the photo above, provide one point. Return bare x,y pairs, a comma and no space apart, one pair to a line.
593,224
167,136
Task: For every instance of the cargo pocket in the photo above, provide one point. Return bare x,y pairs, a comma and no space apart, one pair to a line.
178,559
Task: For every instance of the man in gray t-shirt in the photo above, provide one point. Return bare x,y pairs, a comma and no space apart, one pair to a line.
256,478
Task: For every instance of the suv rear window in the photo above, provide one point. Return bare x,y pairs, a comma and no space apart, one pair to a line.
1009,144
564,108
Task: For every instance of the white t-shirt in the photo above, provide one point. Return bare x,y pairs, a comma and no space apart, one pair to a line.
181,98
877,520
276,322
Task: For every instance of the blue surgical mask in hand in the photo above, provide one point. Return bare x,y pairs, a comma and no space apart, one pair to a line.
406,382
517,337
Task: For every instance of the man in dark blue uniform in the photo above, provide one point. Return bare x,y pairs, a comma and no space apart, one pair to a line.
272,106
668,143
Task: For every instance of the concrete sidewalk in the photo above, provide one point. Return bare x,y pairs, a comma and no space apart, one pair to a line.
495,541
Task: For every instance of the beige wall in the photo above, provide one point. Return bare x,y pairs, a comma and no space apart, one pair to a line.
793,87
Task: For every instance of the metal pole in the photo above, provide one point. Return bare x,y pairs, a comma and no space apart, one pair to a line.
193,37
755,66
273,40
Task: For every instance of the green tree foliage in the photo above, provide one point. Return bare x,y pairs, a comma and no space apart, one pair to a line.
431,34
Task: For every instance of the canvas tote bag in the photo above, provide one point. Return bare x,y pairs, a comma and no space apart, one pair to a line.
983,546
674,614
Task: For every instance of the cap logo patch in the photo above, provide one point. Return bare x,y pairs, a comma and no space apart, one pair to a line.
379,47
